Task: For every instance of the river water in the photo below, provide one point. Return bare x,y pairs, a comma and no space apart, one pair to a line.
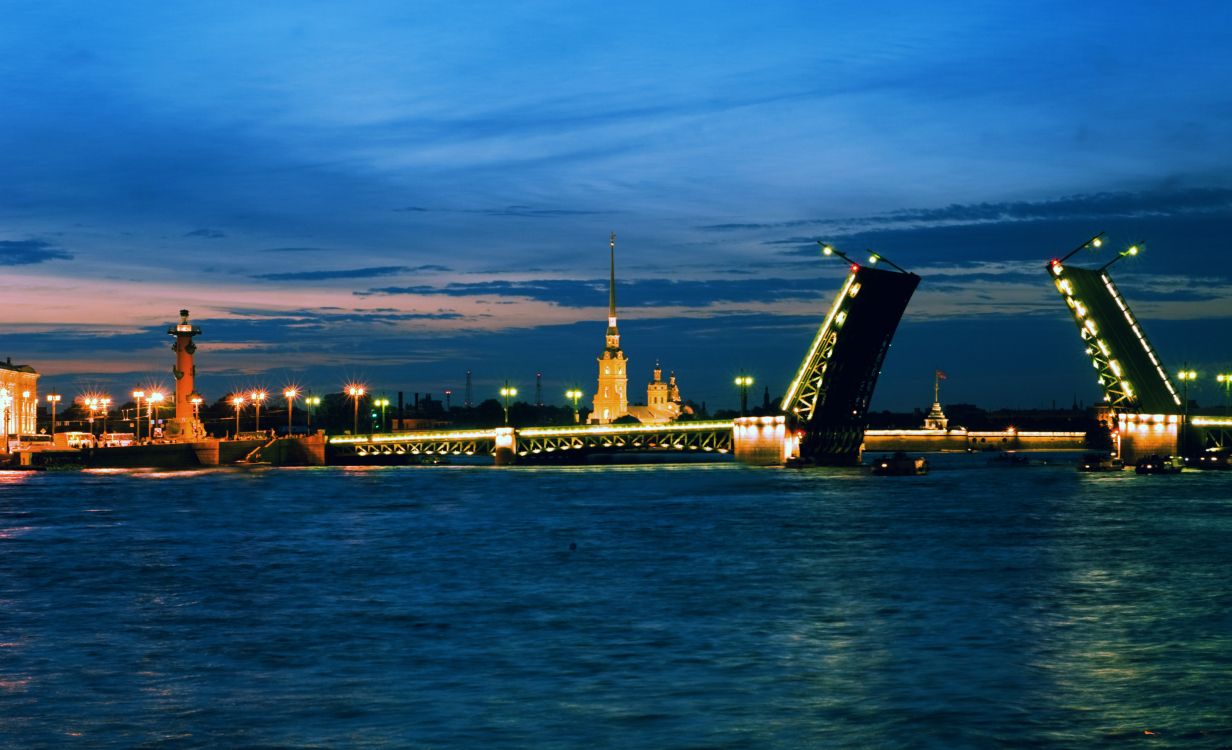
702,606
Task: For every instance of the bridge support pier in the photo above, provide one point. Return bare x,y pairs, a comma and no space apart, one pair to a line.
506,446
762,441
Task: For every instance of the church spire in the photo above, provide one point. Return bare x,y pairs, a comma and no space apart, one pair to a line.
611,288
613,335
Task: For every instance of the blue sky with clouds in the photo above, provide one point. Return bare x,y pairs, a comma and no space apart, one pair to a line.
400,192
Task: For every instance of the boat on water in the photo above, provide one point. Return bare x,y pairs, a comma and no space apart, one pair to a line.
1156,464
1009,458
1100,462
900,465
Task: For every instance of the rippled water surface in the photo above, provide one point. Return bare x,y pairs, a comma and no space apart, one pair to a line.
657,607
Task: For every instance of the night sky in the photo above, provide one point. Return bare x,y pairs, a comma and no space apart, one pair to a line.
397,192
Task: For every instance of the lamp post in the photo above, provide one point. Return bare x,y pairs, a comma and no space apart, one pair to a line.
507,393
356,392
290,394
311,402
574,395
196,400
92,405
383,403
1226,379
238,402
258,397
744,382
104,402
5,401
1186,377
138,395
151,410
53,403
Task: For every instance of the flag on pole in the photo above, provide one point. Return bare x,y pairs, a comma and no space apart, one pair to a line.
940,375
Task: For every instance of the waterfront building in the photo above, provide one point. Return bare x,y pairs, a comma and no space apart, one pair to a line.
611,400
18,399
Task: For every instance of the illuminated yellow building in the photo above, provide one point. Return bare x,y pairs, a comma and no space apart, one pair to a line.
611,400
663,402
18,399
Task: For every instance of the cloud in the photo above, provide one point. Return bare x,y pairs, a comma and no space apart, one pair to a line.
350,273
523,212
581,293
1090,206
29,252
295,250
207,233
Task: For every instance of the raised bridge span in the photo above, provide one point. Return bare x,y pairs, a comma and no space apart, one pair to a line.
1150,413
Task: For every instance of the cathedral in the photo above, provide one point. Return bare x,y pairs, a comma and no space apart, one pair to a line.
611,402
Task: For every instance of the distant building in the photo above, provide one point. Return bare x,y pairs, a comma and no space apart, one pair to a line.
18,399
663,402
611,400
936,419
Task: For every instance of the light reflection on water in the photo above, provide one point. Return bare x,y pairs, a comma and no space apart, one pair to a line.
665,606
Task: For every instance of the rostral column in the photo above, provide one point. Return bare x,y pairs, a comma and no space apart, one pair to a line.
185,425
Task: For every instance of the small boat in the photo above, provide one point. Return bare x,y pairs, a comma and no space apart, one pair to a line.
1156,464
900,465
1100,462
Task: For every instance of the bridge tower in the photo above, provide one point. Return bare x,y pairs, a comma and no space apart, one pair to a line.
828,399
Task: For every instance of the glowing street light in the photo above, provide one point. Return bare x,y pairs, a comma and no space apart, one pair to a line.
104,403
290,394
151,409
1226,379
743,382
574,395
1187,376
1128,252
138,395
311,402
382,402
53,403
238,402
355,392
507,393
258,398
196,399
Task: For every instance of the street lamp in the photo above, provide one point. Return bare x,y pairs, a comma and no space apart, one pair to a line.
196,399
311,402
382,402
1186,377
104,402
138,395
53,403
356,392
21,412
151,410
238,402
258,397
290,394
1226,379
743,382
574,394
507,393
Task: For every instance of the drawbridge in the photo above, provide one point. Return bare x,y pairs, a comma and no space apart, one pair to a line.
1150,412
828,400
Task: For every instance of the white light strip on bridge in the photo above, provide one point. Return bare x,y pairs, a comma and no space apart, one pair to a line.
1146,346
1210,422
529,432
794,389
